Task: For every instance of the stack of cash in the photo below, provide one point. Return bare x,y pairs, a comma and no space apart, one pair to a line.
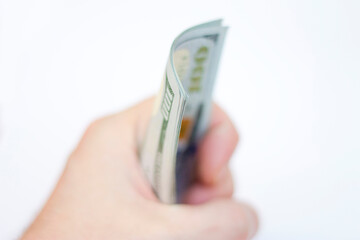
182,110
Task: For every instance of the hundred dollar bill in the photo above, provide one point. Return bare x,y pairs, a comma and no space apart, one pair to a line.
181,111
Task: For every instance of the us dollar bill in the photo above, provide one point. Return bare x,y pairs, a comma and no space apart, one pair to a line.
182,110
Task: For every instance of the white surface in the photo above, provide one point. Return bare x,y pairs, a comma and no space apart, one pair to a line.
289,78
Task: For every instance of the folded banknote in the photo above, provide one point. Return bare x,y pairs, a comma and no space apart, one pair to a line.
182,110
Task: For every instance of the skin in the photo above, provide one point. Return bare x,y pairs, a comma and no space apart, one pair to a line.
103,194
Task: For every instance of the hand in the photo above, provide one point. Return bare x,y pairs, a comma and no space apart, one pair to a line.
103,194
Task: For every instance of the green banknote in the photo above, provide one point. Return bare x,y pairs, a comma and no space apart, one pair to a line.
181,111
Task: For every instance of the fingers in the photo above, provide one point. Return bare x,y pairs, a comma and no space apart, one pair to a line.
200,192
216,220
217,147
128,128
214,177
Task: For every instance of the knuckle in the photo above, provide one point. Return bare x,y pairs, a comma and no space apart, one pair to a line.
103,125
95,129
96,125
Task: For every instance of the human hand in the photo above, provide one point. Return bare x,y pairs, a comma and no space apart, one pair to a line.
103,194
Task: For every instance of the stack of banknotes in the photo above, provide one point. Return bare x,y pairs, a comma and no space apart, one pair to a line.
182,110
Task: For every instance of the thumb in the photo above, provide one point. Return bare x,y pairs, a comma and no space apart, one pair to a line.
215,220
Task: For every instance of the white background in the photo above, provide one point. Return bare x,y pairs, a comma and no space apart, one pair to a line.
289,78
